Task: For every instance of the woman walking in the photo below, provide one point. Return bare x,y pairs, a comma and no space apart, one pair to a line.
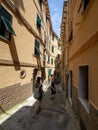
38,94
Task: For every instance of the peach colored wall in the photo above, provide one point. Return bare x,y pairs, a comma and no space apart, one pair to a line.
23,43
85,27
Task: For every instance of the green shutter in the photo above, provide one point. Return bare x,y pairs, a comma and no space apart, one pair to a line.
5,14
52,48
8,25
41,1
49,72
38,22
52,36
52,61
37,49
6,19
48,59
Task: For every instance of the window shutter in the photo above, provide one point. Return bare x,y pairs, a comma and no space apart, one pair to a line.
8,25
5,14
6,28
48,59
52,48
37,48
53,37
49,72
38,22
52,61
41,1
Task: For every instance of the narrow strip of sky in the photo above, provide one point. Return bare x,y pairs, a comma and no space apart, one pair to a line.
56,7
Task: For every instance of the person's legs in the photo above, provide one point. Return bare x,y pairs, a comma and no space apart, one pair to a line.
36,109
38,106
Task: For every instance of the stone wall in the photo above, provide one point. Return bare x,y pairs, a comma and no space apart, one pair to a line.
11,95
93,119
87,120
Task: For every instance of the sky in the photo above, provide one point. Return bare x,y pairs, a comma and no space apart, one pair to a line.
56,7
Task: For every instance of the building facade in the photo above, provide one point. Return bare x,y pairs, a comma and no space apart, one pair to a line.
81,31
52,53
24,30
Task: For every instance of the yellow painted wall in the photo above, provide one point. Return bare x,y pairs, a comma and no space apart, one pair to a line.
82,32
21,47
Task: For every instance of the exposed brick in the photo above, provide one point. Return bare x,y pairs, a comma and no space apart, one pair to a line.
11,95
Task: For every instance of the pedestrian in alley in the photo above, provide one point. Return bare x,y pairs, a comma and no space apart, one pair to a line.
53,89
38,94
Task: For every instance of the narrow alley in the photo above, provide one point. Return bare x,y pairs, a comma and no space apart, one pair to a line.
43,44
55,114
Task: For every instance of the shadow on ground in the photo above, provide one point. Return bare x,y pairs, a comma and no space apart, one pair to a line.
53,115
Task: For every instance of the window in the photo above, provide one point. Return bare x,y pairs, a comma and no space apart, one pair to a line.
52,36
52,61
38,22
48,59
83,84
41,1
58,47
49,72
6,28
53,49
85,4
47,18
37,48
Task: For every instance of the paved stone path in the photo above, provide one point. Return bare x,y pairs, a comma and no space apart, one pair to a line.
56,114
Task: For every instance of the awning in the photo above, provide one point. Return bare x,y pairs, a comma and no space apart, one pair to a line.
8,25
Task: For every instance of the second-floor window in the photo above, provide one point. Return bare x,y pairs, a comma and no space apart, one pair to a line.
38,22
37,51
48,59
52,36
53,49
6,29
52,61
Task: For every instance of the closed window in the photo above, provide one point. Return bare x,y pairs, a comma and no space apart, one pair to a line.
38,22
53,49
37,51
49,72
52,61
52,36
48,59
